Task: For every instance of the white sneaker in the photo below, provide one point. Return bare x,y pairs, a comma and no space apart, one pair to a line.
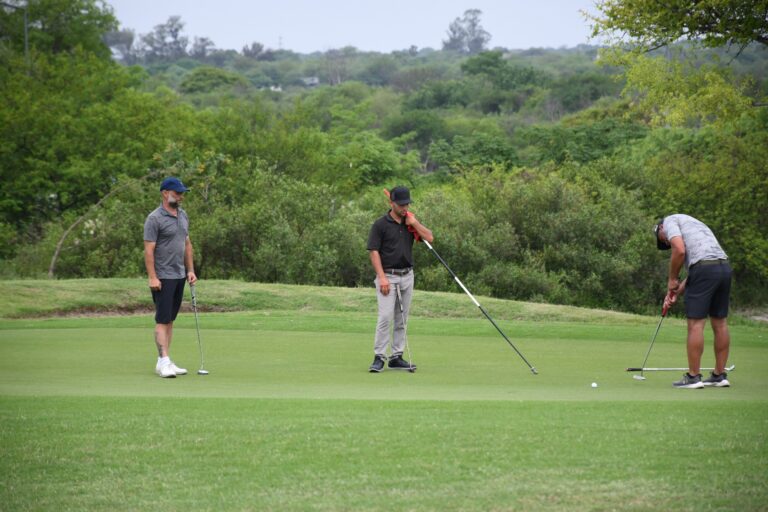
166,371
177,370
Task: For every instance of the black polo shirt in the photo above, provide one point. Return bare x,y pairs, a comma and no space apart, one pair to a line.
393,241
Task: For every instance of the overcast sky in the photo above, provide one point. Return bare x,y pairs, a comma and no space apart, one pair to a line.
306,26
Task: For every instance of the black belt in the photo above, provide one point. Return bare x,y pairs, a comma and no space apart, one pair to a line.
398,271
704,263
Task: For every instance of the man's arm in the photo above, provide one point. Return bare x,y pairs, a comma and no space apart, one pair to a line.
149,263
379,269
189,261
676,261
426,234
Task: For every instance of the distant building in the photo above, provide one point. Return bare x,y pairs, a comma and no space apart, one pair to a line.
311,81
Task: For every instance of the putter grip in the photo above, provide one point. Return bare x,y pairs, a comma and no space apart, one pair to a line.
665,308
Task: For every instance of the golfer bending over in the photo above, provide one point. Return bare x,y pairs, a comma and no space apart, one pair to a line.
707,288
390,245
168,258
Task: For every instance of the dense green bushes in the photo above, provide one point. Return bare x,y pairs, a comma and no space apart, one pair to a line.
534,236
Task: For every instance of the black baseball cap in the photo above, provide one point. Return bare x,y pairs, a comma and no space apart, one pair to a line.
662,246
174,184
400,195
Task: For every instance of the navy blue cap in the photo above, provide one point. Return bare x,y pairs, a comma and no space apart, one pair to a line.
662,246
400,195
174,184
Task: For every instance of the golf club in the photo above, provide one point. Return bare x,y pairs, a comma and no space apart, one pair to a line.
201,371
411,367
664,310
727,369
461,285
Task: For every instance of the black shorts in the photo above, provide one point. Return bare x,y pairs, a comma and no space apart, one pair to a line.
168,300
707,291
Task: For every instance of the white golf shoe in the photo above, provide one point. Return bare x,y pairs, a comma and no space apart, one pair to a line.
177,370
165,371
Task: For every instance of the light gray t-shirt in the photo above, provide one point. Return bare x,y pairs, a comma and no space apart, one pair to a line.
170,236
700,243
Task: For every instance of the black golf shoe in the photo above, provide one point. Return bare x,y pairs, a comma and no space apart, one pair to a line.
717,381
377,365
398,363
689,382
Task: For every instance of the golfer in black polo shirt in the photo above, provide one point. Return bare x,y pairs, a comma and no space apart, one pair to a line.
390,244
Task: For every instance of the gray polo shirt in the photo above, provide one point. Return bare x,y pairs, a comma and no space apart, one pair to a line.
170,236
700,243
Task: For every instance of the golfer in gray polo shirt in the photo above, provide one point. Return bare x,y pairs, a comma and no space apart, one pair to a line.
168,257
707,289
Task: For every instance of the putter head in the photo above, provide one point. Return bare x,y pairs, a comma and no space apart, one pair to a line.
638,377
202,372
534,371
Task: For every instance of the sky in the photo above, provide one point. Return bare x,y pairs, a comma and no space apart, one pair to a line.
307,26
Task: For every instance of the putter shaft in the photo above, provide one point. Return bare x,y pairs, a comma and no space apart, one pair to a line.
201,371
482,309
405,328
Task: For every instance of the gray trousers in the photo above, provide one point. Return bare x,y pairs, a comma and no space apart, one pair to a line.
389,311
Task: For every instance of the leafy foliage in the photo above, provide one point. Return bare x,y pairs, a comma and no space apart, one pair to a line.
466,34
675,93
59,26
206,79
651,24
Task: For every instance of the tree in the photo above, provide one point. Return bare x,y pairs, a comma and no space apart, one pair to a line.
206,79
466,35
166,41
122,42
479,150
674,93
651,24
379,71
254,50
71,128
57,26
457,37
201,48
337,63
477,37
421,127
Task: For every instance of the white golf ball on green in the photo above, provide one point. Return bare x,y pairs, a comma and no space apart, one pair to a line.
594,384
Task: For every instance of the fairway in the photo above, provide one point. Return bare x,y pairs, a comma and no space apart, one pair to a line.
290,419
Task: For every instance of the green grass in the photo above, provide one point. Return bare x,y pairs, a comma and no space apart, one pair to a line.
38,298
289,419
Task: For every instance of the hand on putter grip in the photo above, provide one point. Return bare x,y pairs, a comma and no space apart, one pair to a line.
669,301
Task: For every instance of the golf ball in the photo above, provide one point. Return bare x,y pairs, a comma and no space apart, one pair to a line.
594,384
